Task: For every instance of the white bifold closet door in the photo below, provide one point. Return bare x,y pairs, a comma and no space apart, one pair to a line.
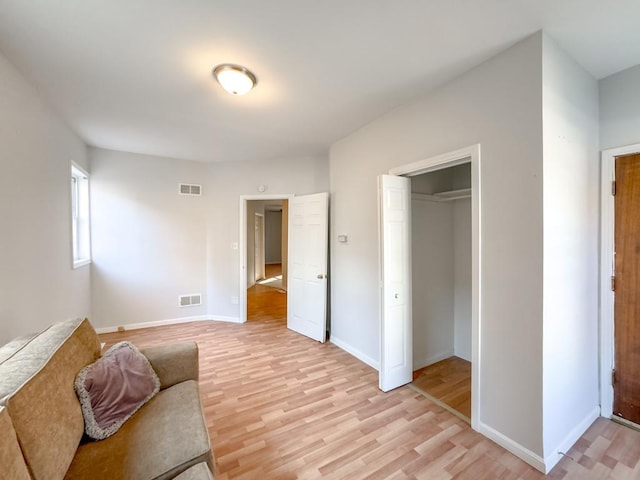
396,348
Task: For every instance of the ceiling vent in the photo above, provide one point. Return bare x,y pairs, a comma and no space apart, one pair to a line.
189,300
188,189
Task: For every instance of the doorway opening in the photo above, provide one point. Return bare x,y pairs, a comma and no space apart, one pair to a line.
304,264
441,279
620,329
266,252
430,277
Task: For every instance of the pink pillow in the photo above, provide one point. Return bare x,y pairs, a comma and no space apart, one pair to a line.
113,388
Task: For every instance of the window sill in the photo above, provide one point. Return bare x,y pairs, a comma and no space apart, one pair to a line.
81,263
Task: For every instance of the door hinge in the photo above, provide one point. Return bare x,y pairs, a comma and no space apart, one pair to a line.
613,283
613,188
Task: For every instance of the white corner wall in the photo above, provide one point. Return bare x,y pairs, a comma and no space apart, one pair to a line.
497,104
571,182
37,283
152,245
149,242
441,276
228,181
433,285
620,109
462,278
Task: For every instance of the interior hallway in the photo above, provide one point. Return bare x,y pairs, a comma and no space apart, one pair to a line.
265,302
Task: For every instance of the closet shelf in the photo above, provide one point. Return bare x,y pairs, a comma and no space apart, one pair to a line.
443,196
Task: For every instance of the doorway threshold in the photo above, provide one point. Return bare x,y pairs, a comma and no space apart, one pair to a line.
625,422
440,403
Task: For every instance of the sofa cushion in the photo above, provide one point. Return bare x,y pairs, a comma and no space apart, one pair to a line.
159,441
11,461
36,385
197,472
8,350
113,388
174,362
21,358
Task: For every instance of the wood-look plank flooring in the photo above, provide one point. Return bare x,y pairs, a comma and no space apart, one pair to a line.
448,381
281,406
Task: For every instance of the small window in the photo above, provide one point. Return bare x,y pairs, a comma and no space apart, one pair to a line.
80,231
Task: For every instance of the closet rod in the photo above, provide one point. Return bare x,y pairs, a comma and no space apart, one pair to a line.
443,196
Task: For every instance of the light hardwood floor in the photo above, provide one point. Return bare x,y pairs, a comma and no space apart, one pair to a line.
448,381
272,269
265,302
281,406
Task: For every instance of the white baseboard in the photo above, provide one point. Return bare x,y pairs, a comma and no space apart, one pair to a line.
172,321
355,352
223,318
463,355
555,456
536,461
431,359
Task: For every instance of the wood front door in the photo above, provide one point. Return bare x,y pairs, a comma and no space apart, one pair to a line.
626,382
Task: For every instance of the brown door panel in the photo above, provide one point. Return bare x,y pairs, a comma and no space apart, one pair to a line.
627,288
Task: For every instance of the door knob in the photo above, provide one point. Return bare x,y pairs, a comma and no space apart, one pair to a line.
320,276
395,296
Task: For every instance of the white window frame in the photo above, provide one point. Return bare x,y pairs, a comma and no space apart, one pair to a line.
80,219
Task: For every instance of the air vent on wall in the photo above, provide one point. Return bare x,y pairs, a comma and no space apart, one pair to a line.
188,189
189,300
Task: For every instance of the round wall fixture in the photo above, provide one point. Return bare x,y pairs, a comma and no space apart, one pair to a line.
235,79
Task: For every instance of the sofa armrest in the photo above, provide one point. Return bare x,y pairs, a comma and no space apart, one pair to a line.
174,363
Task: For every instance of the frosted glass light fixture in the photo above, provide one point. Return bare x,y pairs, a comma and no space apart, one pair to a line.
235,79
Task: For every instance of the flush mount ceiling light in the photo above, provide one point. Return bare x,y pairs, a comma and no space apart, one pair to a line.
235,79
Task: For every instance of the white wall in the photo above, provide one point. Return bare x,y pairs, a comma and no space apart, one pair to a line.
433,285
273,236
461,213
620,109
228,182
497,104
149,243
441,276
37,283
570,173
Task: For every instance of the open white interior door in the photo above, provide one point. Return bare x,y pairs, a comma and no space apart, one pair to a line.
396,329
307,282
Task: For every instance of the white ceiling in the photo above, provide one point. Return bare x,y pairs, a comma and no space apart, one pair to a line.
135,75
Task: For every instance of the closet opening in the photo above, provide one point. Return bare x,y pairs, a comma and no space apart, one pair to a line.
441,250
429,273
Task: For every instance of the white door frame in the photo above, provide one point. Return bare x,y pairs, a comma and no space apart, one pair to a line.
471,155
242,245
607,246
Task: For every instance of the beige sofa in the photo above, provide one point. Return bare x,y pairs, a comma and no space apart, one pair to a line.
41,423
